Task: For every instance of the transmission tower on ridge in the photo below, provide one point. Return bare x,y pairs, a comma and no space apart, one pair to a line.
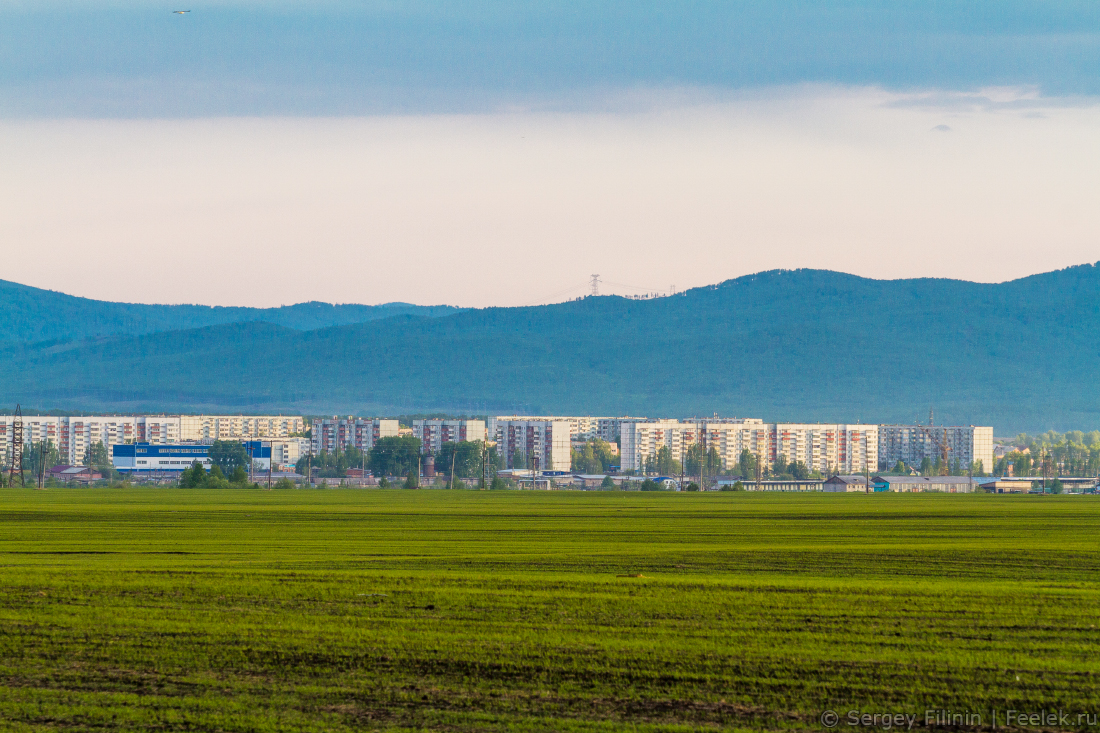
17,449
595,284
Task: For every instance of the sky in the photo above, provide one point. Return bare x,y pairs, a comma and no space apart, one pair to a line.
501,153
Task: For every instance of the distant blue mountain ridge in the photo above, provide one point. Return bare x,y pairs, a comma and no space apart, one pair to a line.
786,345
32,315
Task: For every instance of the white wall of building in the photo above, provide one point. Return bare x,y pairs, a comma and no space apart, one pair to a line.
358,432
548,441
432,434
911,444
824,447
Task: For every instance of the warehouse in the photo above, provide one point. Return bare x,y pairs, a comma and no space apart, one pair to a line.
947,484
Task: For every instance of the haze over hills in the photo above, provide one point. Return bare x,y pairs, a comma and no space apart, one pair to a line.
33,314
801,345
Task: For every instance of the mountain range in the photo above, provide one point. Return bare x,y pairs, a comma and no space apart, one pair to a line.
784,345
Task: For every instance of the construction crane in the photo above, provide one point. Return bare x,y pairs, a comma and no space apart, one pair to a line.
941,445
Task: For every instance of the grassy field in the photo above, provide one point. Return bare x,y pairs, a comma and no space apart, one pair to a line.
168,609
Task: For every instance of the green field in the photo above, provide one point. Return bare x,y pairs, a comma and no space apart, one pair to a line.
169,609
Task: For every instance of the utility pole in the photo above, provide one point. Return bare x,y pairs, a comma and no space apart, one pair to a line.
269,457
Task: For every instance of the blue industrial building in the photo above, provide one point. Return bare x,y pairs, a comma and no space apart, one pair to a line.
138,457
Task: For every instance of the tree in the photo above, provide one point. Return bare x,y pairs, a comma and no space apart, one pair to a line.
714,462
284,483
651,485
607,483
519,460
466,455
239,476
799,470
412,481
193,477
926,466
40,456
900,467
227,455
96,457
384,483
692,487
780,465
666,465
747,464
594,457
498,484
736,486
394,456
1056,486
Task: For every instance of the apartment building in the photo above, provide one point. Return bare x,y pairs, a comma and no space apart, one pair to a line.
239,427
580,427
434,433
913,443
358,432
73,435
829,448
545,443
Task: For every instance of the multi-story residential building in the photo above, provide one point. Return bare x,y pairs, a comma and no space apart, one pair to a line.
358,432
913,443
239,427
285,452
434,433
828,448
73,435
545,443
580,427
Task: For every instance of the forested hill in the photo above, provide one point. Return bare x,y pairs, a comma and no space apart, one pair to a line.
32,314
805,345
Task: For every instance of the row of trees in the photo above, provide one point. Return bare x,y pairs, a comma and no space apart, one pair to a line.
401,456
1074,453
41,456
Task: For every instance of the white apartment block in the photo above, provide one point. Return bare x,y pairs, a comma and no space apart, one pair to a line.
544,442
580,427
434,433
358,432
829,448
912,444
285,453
74,434
238,427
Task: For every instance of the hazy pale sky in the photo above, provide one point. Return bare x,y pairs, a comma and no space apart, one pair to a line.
500,153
